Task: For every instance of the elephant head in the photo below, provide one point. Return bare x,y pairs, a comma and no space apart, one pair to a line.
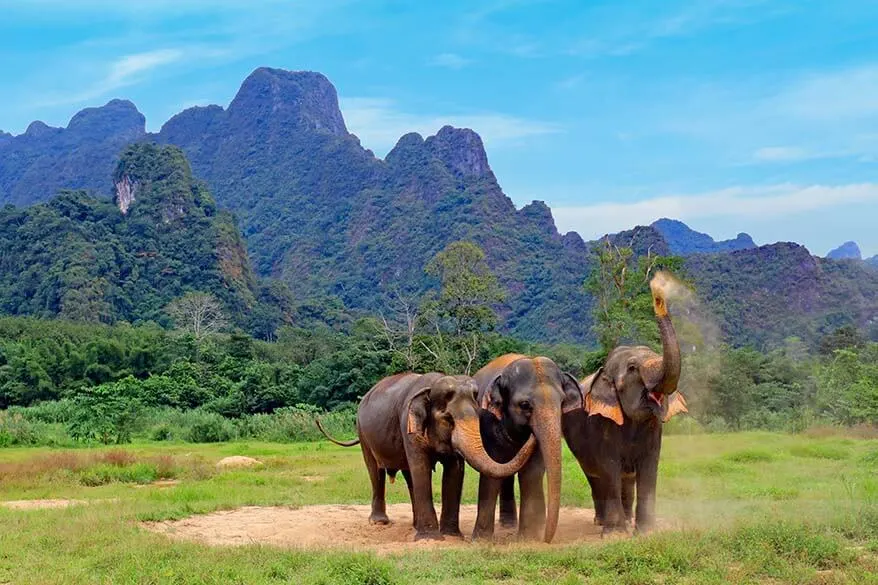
637,382
444,414
530,394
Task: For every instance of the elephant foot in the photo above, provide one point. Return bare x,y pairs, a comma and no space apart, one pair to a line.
531,533
508,521
428,535
598,521
482,535
451,531
643,529
379,518
614,533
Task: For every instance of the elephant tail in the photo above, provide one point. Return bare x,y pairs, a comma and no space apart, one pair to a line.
336,441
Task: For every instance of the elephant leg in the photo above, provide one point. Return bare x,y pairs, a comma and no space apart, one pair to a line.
377,476
532,519
614,514
628,483
508,515
452,489
597,499
647,474
489,489
408,482
426,523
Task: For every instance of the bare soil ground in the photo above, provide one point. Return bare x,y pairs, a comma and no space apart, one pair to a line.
347,527
39,504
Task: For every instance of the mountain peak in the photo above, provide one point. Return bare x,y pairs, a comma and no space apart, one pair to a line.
117,117
461,150
38,128
684,240
847,251
304,99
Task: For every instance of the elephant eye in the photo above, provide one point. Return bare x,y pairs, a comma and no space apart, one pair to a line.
524,405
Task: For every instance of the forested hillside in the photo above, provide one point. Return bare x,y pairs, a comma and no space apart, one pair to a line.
95,259
343,232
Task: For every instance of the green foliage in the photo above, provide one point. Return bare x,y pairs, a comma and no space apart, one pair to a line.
106,413
619,282
82,259
210,428
468,290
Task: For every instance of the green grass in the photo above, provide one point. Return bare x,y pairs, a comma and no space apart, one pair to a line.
752,508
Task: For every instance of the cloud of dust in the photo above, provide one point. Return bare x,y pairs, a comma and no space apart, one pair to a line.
700,342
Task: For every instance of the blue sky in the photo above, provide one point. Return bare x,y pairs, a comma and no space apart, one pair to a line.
732,115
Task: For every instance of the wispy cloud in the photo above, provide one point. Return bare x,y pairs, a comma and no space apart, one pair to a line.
781,154
737,202
449,61
122,72
379,123
624,31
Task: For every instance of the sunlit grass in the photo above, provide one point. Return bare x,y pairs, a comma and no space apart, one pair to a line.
751,508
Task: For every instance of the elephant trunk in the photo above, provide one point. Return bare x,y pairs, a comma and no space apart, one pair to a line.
547,429
467,440
670,361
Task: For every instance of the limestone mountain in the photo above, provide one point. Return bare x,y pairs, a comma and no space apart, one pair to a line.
328,218
81,257
685,241
35,165
847,251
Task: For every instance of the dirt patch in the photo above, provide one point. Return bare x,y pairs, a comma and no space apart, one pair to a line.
312,478
347,527
40,504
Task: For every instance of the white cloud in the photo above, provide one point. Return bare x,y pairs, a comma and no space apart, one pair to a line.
759,203
833,95
781,154
122,72
379,124
450,61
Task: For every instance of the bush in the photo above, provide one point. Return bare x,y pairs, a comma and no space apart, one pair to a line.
294,424
106,413
210,428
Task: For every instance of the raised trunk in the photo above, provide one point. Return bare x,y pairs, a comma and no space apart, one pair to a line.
670,356
467,439
548,432
670,348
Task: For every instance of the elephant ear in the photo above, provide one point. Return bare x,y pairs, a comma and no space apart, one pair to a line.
418,407
573,399
602,399
492,399
676,405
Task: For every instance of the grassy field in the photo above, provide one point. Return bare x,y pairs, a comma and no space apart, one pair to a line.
754,508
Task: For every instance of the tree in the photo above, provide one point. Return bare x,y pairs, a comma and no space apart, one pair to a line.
198,313
464,307
620,284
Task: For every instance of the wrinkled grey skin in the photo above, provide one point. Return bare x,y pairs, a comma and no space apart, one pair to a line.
617,437
522,397
408,423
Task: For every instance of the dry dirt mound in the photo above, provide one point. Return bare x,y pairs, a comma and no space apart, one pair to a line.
340,526
237,461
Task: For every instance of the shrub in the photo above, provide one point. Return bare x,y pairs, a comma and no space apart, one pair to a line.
106,413
210,428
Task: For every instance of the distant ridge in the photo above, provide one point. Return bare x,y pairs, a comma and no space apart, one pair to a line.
847,251
685,241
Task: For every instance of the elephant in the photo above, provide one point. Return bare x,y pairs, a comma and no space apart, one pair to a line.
408,422
616,436
522,397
